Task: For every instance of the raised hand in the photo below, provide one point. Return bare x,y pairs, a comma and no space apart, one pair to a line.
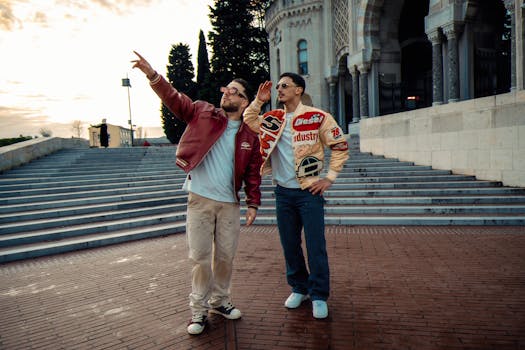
143,65
264,93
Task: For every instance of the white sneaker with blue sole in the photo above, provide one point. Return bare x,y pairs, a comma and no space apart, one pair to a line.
320,309
295,300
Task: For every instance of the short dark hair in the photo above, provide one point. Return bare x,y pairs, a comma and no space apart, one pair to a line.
248,92
296,78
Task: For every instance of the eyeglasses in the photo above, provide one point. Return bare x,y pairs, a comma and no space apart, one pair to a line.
232,91
284,86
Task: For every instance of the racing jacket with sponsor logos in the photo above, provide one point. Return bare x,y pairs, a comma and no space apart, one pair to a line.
205,125
312,130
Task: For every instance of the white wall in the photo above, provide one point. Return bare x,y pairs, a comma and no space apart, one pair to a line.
484,137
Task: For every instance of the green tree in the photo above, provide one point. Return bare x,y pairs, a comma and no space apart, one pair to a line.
10,141
239,43
261,51
180,74
204,90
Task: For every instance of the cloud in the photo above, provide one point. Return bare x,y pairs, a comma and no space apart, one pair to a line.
12,17
14,113
40,18
67,58
8,19
125,3
19,121
116,6
28,122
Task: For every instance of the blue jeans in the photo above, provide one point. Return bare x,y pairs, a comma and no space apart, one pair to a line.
296,209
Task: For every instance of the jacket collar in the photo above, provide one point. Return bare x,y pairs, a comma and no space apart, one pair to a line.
297,110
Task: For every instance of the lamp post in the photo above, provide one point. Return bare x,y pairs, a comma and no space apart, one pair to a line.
127,84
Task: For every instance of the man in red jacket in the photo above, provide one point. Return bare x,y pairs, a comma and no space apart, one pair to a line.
219,152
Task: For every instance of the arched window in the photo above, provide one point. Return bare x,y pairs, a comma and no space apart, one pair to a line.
302,57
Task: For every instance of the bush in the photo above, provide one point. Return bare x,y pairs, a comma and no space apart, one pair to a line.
7,142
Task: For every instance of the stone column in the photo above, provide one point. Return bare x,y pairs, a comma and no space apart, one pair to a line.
437,67
355,96
332,92
363,91
509,6
451,32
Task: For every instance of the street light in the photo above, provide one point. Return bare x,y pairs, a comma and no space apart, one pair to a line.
127,83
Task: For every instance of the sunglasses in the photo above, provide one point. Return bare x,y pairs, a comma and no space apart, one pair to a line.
284,86
232,91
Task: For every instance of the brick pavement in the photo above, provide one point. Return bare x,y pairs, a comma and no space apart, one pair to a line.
392,288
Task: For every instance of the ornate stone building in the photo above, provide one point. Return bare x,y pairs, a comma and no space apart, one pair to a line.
367,58
417,78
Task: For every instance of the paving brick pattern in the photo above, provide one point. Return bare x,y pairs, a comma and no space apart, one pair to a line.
392,288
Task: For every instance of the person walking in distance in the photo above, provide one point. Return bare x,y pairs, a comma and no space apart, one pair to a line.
293,140
219,152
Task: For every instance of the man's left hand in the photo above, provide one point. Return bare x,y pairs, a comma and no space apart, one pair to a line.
251,213
320,186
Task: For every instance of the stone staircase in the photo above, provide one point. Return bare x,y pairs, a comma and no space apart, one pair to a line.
83,198
373,190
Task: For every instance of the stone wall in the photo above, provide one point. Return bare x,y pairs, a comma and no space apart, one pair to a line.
484,137
23,152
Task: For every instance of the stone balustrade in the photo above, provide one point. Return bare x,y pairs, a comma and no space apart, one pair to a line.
21,153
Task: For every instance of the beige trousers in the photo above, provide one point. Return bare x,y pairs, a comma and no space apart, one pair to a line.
212,230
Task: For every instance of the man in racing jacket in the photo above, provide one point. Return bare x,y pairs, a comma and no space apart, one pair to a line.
219,152
292,146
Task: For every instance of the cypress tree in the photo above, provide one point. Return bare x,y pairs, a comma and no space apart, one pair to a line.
204,90
239,43
180,74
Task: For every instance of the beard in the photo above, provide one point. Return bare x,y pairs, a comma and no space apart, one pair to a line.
230,108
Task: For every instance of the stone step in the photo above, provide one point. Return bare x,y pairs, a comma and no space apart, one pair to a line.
269,201
49,212
86,194
56,233
6,179
378,164
382,173
405,185
116,167
386,168
502,191
393,179
78,219
426,200
92,170
123,172
401,179
412,220
6,209
34,250
97,187
410,209
27,184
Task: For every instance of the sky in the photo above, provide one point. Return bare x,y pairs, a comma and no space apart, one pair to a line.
64,60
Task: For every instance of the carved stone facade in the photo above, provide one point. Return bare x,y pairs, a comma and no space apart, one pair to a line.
368,58
340,16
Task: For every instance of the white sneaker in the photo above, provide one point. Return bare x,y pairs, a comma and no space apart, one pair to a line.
320,309
295,300
197,324
228,311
